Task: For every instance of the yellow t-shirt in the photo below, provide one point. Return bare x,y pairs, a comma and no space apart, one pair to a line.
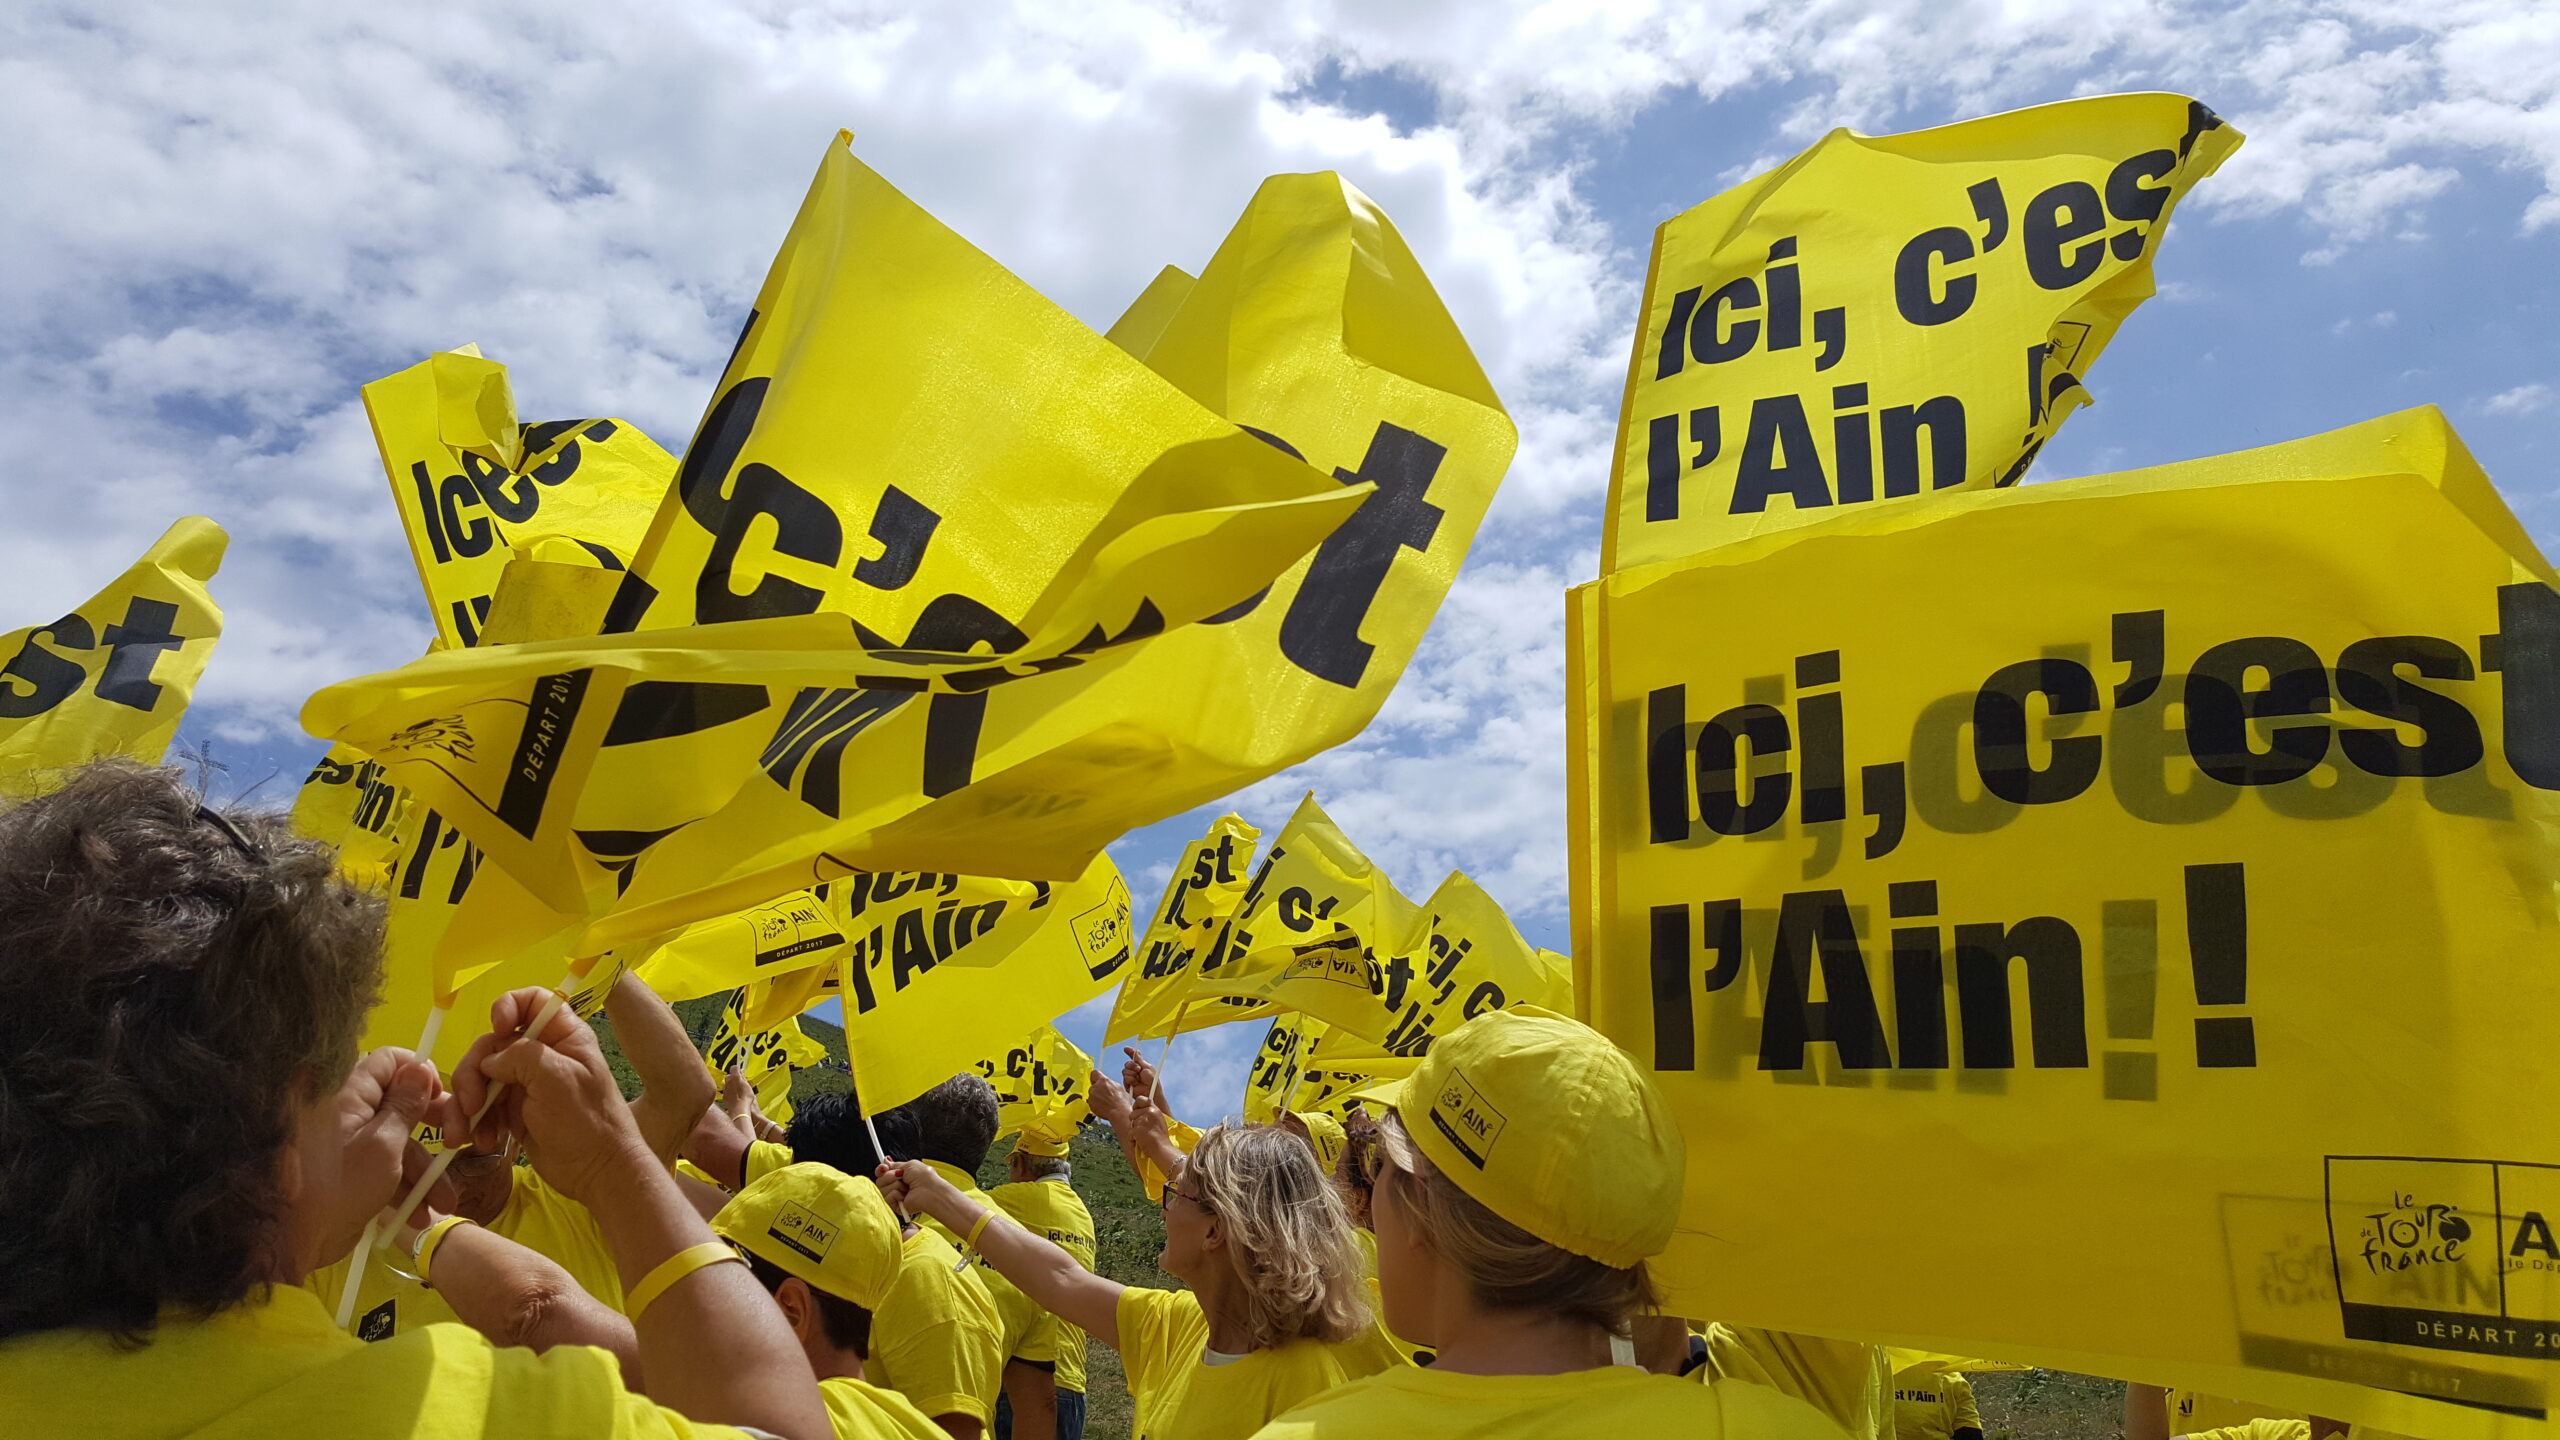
763,1158
1931,1403
1030,1333
2265,1427
1851,1383
1368,1245
1179,1396
935,1339
2192,1412
1053,1209
274,1368
1616,1403
861,1410
536,1217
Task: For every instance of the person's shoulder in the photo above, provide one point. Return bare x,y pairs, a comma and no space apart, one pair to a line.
860,1408
568,1390
1146,1313
1753,1411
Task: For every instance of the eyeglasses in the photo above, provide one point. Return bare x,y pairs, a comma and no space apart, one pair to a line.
1170,1192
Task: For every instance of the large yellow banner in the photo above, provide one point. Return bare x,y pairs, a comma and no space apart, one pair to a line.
1106,605
114,676
1889,316
2143,886
1207,881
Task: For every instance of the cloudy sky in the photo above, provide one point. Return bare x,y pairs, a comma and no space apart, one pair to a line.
229,216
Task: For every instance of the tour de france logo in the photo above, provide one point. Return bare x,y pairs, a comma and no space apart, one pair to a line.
2413,1232
1460,1112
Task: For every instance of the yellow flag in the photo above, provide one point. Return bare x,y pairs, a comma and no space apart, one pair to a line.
1884,317
1039,1084
1142,324
471,483
1310,912
920,476
753,946
349,802
928,994
2144,886
770,1055
1392,992
1294,1071
1206,882
112,677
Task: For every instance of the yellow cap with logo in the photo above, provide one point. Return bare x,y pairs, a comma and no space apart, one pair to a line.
817,1223
1548,1125
1325,1133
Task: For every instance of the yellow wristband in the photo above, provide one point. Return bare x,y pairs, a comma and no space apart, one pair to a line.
971,1243
428,1240
674,1268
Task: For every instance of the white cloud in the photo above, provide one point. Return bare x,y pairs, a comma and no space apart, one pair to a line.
2522,400
248,210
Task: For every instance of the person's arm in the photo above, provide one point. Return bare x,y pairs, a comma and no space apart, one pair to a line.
2146,1412
1039,1269
1964,1415
1033,1393
1154,1141
718,1148
517,1296
713,1344
675,1088
738,1101
1142,1080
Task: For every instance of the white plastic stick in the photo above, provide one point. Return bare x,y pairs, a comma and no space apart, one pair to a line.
878,1150
373,1228
444,1160
1155,1087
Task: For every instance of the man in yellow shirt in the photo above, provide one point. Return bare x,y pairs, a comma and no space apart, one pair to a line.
1041,1200
1932,1402
2154,1413
938,1339
830,1252
955,1125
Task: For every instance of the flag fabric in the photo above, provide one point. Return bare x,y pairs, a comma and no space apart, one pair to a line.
1160,607
1887,317
770,1056
2142,886
113,676
1206,882
1040,1085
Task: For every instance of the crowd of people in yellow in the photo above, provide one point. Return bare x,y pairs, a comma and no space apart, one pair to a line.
190,1148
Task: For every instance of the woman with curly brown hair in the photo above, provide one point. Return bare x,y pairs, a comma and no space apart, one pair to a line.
186,1131
1273,1315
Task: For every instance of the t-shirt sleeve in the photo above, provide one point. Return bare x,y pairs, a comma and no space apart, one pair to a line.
1151,1331
1963,1413
949,1368
763,1158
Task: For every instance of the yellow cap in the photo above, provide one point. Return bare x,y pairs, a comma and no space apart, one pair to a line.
820,1224
1548,1125
1325,1133
1039,1142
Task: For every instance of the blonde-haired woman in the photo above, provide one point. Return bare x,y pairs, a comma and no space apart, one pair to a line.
1525,1174
1274,1314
